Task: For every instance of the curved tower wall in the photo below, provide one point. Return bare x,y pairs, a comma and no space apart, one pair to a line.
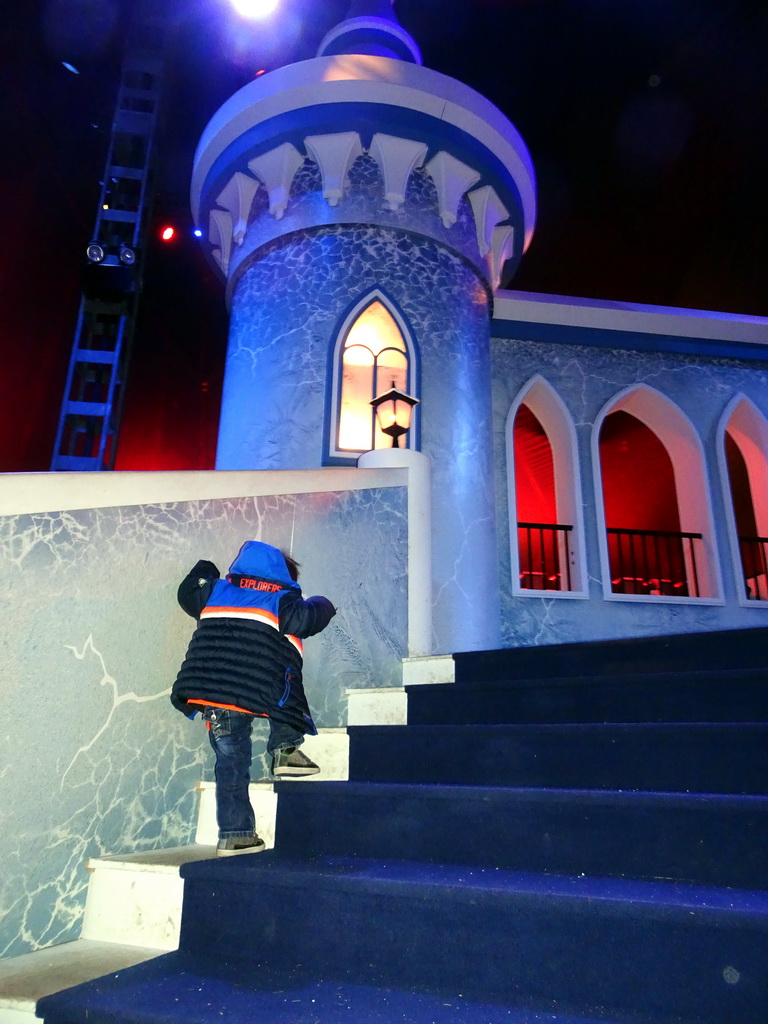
286,311
345,176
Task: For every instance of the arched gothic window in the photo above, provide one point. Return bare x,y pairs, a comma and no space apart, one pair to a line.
544,492
744,465
373,355
654,497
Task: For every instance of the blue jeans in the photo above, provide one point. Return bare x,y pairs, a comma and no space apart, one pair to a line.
230,738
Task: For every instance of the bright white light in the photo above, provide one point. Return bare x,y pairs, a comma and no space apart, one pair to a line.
255,8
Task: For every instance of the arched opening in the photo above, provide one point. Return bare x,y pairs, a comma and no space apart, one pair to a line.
745,447
542,542
645,546
545,524
655,500
372,356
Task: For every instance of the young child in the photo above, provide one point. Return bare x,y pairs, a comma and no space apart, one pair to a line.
244,660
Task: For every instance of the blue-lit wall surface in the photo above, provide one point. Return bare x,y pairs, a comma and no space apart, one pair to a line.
586,379
96,761
287,311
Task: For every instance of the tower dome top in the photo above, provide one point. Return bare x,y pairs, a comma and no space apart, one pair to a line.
371,28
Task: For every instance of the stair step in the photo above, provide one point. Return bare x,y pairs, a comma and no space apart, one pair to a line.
696,758
186,989
625,945
136,898
721,649
734,695
711,840
25,979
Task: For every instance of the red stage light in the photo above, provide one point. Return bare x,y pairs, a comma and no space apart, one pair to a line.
167,234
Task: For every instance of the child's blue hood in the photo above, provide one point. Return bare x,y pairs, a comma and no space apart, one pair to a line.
258,559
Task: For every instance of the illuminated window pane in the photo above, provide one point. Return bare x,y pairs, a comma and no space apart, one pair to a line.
391,370
356,421
374,356
376,329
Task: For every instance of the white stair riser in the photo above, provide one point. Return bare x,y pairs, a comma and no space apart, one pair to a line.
330,750
439,668
377,707
139,908
18,1016
263,801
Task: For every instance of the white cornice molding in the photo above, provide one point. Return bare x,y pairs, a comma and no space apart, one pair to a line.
220,234
397,159
452,180
502,249
489,211
571,311
360,79
277,169
237,198
334,154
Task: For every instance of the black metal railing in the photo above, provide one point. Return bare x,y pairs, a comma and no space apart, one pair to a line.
545,556
754,561
654,562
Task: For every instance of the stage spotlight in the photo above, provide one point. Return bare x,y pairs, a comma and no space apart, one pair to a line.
167,233
127,255
197,233
255,8
95,252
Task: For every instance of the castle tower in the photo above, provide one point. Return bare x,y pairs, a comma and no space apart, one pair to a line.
361,208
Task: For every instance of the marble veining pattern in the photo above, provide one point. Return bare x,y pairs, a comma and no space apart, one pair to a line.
307,179
586,379
96,760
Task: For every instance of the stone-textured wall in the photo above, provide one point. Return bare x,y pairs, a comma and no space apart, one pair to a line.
286,314
95,760
586,379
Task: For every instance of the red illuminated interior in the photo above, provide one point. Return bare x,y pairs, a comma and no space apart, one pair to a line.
540,550
638,479
639,494
534,470
741,492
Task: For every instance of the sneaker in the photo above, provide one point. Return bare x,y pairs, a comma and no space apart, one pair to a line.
292,763
241,844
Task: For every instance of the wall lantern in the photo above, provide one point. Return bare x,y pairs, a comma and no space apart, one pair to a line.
393,411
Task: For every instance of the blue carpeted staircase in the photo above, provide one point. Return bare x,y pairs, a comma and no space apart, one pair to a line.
568,834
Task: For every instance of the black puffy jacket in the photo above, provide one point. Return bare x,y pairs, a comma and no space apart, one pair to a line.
246,652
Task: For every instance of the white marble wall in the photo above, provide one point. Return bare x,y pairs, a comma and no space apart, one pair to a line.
95,759
586,379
